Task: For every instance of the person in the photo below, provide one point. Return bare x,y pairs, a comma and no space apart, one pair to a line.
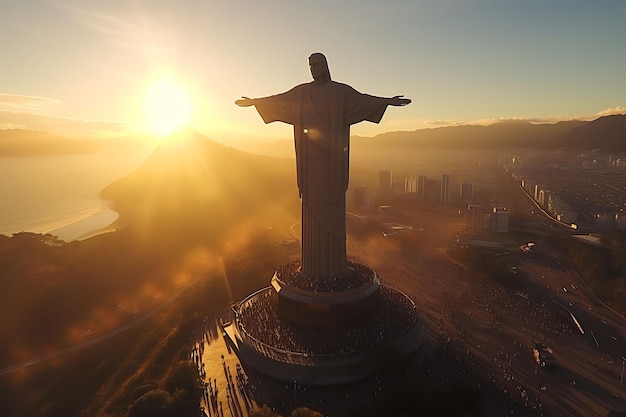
321,113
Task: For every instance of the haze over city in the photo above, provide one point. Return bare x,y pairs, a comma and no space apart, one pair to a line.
85,69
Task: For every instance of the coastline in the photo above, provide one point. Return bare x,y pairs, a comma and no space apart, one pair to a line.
79,227
106,229
60,194
86,227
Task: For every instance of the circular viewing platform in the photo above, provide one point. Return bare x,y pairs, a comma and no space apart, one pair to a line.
326,355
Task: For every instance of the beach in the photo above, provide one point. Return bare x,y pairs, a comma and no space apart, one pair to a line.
87,227
67,225
60,194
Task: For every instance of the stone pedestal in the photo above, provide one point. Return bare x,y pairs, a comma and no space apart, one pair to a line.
326,303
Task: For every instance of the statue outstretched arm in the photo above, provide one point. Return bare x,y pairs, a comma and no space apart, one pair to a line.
398,101
278,107
245,102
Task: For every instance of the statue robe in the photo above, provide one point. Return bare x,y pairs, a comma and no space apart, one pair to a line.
321,117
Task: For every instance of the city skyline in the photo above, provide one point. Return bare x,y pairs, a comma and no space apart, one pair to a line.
84,70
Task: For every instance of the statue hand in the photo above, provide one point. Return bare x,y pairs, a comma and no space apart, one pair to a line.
245,102
399,101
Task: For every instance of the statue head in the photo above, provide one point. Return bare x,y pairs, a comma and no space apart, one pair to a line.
319,67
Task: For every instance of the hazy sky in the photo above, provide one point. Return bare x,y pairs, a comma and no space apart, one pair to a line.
77,66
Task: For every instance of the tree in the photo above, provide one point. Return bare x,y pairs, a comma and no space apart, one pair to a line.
184,375
264,411
155,403
305,412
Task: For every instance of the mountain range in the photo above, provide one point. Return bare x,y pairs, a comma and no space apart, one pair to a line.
607,134
604,134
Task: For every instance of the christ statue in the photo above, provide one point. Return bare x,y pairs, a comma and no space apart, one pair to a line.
321,113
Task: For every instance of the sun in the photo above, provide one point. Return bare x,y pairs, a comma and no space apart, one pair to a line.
167,107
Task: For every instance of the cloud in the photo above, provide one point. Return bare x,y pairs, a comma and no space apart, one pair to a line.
17,102
534,120
25,112
62,126
105,23
441,123
126,28
611,111
118,24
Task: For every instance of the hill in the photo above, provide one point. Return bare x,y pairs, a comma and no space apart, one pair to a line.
607,134
193,188
495,136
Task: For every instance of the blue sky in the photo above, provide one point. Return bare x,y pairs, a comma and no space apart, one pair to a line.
81,68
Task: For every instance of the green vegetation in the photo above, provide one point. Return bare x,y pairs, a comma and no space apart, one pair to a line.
58,291
179,398
156,362
265,411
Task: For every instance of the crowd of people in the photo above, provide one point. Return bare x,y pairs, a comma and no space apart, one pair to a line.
238,388
500,389
397,316
479,326
358,275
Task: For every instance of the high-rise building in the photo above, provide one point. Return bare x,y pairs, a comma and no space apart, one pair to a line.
410,184
421,186
467,192
544,198
536,190
433,190
528,185
445,189
385,182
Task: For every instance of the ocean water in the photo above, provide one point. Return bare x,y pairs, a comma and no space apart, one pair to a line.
59,194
